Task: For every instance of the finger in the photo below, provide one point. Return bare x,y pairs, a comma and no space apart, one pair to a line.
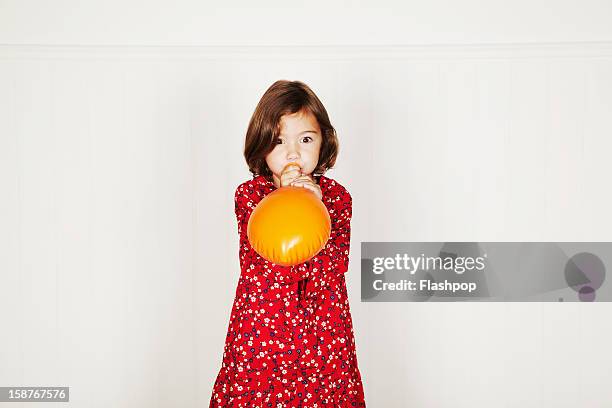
306,186
290,175
315,190
302,183
306,179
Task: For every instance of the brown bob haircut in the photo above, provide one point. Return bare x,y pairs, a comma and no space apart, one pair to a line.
281,98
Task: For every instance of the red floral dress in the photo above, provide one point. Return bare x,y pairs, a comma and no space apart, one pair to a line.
290,339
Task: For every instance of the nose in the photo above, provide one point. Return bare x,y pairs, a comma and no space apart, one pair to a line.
293,152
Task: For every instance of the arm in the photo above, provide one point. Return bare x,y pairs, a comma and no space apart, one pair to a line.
244,204
332,261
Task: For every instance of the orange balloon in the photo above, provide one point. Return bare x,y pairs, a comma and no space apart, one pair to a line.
289,226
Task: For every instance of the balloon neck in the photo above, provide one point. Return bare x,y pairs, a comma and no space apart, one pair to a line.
292,164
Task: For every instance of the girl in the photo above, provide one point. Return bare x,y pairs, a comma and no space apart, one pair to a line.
290,339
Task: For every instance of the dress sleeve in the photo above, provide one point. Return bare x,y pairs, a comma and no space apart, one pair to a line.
251,263
332,261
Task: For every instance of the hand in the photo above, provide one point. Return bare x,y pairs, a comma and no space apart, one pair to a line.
290,173
308,182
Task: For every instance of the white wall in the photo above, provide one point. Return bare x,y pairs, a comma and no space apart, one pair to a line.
118,242
316,22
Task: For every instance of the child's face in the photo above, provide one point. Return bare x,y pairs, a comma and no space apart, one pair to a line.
299,141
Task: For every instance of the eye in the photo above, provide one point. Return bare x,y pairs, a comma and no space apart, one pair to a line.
278,140
307,137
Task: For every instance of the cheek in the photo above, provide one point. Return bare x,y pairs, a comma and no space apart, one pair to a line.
316,150
272,157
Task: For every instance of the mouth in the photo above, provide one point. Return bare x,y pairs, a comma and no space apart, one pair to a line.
292,164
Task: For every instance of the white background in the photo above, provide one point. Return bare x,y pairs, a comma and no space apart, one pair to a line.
121,134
